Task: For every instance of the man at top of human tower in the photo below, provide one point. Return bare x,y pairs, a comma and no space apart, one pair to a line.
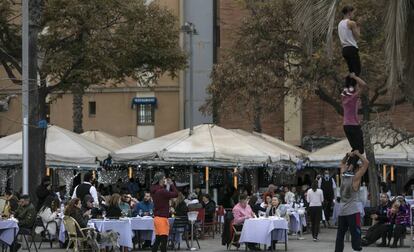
349,33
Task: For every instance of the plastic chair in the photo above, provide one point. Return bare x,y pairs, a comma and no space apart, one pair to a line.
27,232
235,237
210,226
201,219
76,234
219,217
46,235
179,228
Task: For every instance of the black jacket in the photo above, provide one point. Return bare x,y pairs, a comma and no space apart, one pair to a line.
256,208
210,210
181,210
78,216
382,213
226,235
113,212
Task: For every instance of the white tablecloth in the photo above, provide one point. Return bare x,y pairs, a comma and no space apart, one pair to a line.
337,207
8,231
296,222
124,227
264,230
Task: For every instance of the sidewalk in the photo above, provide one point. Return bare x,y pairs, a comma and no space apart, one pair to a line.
325,244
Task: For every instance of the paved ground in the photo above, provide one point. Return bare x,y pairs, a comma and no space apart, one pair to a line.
326,244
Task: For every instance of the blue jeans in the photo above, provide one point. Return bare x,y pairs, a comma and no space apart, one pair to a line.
353,224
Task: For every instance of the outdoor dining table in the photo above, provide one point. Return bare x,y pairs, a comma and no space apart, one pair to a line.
124,226
296,221
264,231
145,225
8,231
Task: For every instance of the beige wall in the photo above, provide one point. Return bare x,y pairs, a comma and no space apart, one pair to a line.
113,113
11,121
167,114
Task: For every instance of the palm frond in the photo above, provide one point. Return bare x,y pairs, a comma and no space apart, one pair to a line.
395,30
315,19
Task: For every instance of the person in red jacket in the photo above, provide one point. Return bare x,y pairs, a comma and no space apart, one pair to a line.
162,190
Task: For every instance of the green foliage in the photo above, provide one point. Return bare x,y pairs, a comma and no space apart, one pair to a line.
94,41
253,74
269,51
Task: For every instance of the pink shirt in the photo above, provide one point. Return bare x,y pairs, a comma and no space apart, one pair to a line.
350,105
241,213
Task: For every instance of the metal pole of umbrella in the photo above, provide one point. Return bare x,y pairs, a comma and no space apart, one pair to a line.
191,179
192,217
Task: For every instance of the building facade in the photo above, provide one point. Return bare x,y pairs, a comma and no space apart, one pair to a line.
130,108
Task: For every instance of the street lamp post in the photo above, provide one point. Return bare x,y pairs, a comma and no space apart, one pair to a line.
190,30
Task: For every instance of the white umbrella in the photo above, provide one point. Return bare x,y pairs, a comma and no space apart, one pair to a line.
209,145
130,140
108,141
331,155
63,148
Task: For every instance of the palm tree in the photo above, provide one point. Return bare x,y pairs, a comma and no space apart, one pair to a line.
316,20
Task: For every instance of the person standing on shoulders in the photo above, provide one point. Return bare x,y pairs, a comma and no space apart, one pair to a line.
349,33
162,190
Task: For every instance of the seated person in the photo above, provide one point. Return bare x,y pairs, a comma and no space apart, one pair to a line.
210,208
276,208
125,204
113,210
256,207
193,203
87,205
145,207
241,212
12,203
179,205
379,229
73,209
25,213
399,217
48,213
265,205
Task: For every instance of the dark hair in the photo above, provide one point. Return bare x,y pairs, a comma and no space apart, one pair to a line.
8,192
253,200
350,81
207,196
88,177
242,197
347,9
50,202
314,185
86,199
353,161
71,208
25,197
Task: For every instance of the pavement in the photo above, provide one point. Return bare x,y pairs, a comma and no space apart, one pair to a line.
325,244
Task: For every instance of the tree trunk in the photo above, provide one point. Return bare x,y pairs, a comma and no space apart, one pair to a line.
369,152
257,124
36,135
77,92
407,85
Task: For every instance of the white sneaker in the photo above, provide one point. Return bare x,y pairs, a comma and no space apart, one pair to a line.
351,89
